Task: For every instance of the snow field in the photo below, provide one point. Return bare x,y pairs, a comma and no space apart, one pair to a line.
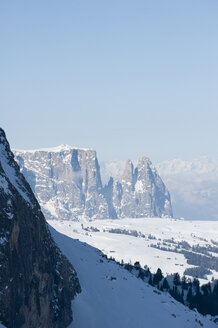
112,297
131,249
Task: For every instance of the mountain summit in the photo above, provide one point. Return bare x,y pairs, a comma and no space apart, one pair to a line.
141,192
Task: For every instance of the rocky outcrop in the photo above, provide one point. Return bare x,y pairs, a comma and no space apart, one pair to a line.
141,192
37,283
68,185
66,181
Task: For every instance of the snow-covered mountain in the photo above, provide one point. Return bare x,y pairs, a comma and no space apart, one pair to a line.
193,184
113,297
67,182
140,192
37,282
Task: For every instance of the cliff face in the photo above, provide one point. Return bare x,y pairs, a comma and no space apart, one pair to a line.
141,192
37,283
66,181
68,185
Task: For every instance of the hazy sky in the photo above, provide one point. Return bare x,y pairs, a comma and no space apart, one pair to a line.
128,78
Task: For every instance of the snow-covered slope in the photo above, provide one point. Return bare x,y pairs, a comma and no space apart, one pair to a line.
158,243
114,298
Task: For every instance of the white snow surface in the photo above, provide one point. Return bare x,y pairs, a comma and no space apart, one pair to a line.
131,249
112,297
62,147
4,184
10,173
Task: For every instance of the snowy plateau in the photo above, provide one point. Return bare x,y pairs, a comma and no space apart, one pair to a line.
112,297
172,245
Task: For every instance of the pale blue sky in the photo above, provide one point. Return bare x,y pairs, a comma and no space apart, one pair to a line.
128,78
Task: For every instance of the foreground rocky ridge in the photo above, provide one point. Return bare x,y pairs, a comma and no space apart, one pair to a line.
67,183
37,283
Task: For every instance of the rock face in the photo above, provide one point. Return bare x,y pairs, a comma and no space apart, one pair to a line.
37,283
141,192
66,181
68,185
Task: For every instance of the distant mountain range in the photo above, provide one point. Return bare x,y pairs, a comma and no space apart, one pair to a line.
67,182
193,185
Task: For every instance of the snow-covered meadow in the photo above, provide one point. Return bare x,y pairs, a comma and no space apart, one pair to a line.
112,297
134,240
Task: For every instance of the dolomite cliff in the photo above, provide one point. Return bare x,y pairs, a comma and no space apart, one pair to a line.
67,183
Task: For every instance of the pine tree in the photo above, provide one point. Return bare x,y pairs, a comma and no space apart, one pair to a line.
189,298
150,280
141,274
176,279
137,265
165,284
184,283
158,276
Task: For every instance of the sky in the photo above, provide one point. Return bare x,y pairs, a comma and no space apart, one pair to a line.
127,78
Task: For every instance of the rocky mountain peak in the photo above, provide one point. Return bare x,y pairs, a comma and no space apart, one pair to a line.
37,283
128,177
144,162
128,171
68,185
143,192
11,171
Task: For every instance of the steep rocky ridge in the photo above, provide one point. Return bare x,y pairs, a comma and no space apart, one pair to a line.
37,283
141,192
67,182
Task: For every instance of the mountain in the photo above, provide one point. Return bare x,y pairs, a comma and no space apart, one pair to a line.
141,192
113,297
193,185
67,182
37,282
